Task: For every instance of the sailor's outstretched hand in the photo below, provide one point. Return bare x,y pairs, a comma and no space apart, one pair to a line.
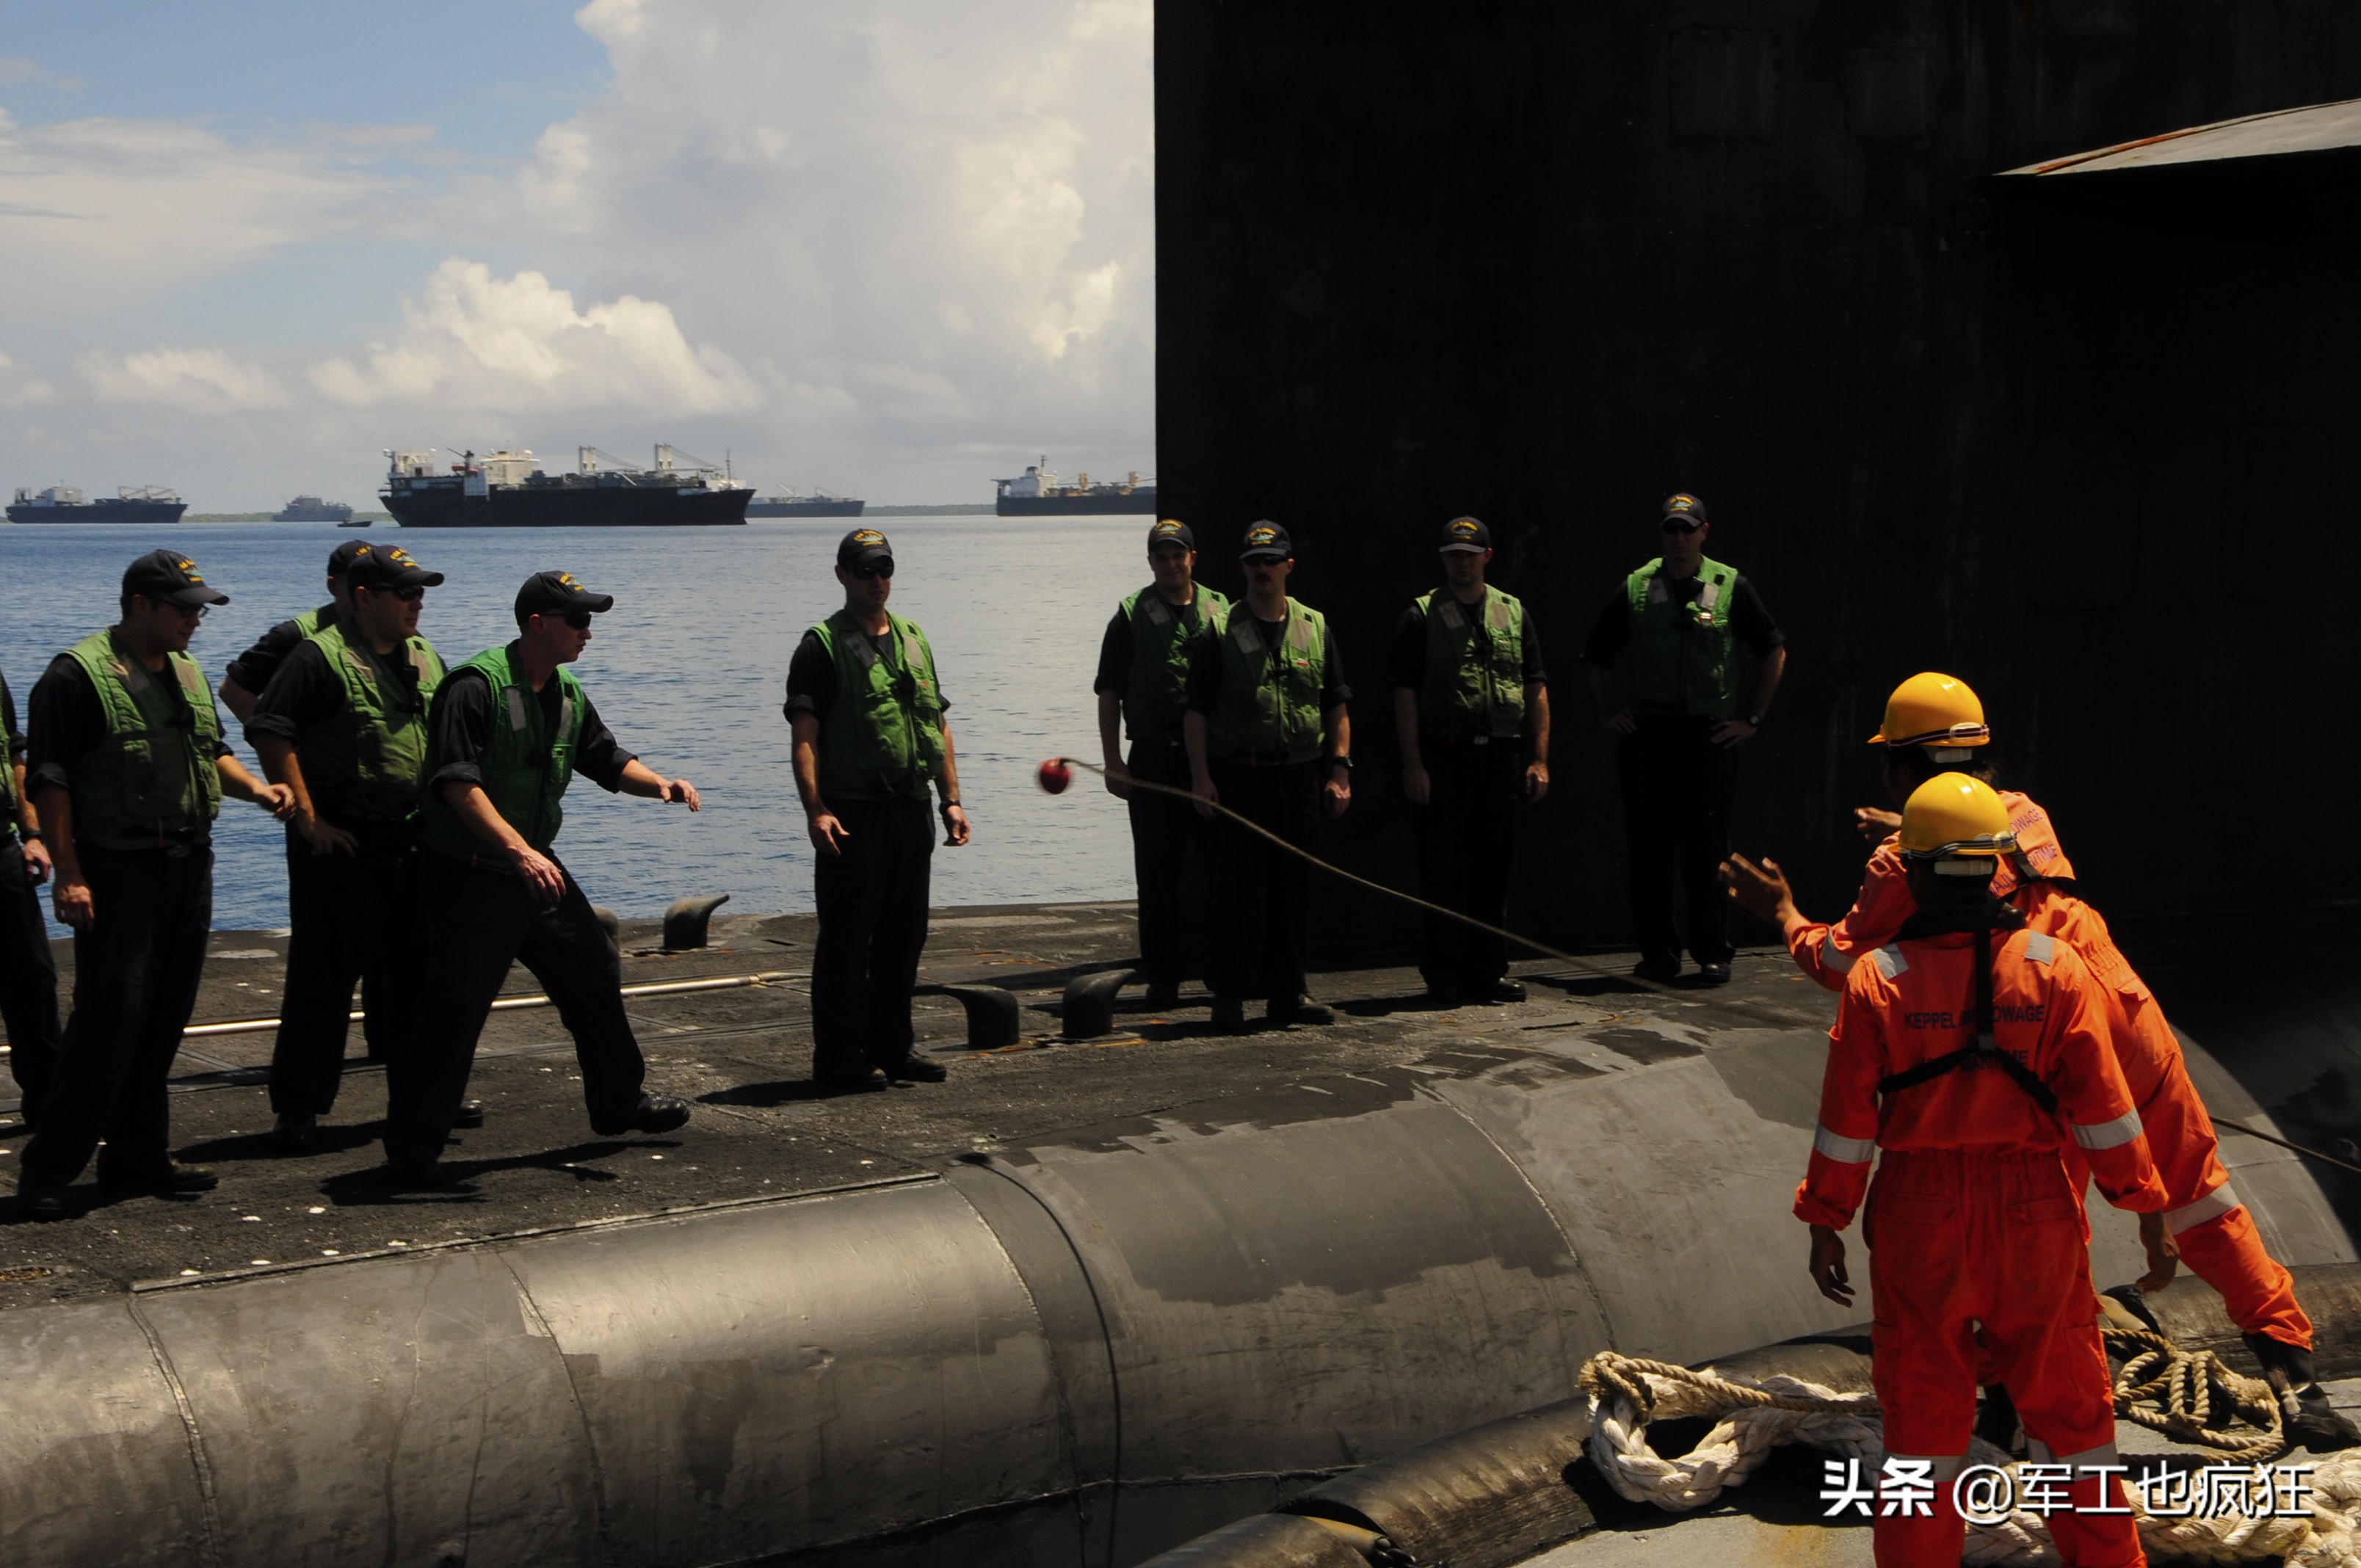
1761,889
1875,825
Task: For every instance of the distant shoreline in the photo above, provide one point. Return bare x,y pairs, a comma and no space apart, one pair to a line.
953,509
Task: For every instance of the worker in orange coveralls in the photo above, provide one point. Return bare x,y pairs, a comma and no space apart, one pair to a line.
1932,722
1971,1049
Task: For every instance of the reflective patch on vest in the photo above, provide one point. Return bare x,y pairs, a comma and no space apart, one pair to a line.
2103,1457
2041,947
192,680
131,673
1656,594
1843,1150
1249,641
1835,959
1496,617
516,710
1157,614
420,661
566,721
2213,1206
359,661
2109,1134
1891,963
864,651
1710,596
912,660
1299,634
1450,615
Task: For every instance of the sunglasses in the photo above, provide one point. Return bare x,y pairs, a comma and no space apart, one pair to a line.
579,620
407,595
881,569
1674,525
186,611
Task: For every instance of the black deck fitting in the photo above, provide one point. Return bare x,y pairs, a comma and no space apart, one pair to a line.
991,1013
685,921
1090,1001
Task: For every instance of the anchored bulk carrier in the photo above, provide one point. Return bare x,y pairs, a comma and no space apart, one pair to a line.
63,503
312,509
1036,493
508,490
820,503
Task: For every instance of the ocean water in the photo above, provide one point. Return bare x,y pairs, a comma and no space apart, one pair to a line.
689,669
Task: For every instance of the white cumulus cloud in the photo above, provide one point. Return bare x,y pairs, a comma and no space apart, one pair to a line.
471,340
201,380
19,388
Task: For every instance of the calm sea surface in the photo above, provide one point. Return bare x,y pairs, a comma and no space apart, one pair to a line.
689,670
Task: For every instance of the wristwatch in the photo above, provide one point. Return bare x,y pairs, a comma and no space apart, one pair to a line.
1755,720
1343,762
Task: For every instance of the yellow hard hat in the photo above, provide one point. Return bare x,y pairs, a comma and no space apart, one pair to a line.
1933,710
1953,817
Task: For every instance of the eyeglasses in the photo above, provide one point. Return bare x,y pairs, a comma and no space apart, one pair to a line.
880,569
407,595
185,611
579,620
1674,525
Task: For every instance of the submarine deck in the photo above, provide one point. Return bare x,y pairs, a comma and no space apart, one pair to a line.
761,1129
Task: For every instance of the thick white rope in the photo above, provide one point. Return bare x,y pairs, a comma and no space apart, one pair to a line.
1754,1417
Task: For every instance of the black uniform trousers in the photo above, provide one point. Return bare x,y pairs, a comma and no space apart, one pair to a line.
351,917
477,921
1466,839
1261,915
29,982
1166,836
136,972
1679,789
872,927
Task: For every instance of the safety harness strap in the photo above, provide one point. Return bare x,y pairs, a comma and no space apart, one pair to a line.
1983,920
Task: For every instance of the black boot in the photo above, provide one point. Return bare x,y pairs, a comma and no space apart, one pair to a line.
2305,1412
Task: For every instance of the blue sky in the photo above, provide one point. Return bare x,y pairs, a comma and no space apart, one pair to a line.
893,246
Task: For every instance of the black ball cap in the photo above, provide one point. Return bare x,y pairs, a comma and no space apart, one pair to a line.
1171,530
1265,541
374,568
557,593
1465,535
169,576
341,559
1682,504
863,547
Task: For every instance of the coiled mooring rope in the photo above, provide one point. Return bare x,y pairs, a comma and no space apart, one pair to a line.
1754,1417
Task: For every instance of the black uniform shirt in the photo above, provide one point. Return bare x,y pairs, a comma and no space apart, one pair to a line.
16,743
70,723
254,668
308,689
811,677
1116,648
1206,663
1409,654
1747,619
462,732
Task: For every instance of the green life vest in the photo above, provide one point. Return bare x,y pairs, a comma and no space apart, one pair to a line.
1152,704
883,737
366,761
1269,710
309,624
1474,665
1685,654
525,769
153,780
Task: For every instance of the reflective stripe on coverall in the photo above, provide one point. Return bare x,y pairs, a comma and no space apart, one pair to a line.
1974,1219
2215,1233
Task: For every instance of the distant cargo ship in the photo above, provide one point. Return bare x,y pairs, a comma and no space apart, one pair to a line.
1036,493
312,509
508,490
63,503
820,503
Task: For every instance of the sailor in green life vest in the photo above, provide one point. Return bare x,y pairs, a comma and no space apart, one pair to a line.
343,724
29,975
1471,712
1269,737
871,738
250,672
1142,688
1677,625
506,732
129,772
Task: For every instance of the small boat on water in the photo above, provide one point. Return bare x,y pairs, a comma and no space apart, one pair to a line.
312,509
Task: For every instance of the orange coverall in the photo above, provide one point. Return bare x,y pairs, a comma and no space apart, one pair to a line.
1973,1221
2215,1233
